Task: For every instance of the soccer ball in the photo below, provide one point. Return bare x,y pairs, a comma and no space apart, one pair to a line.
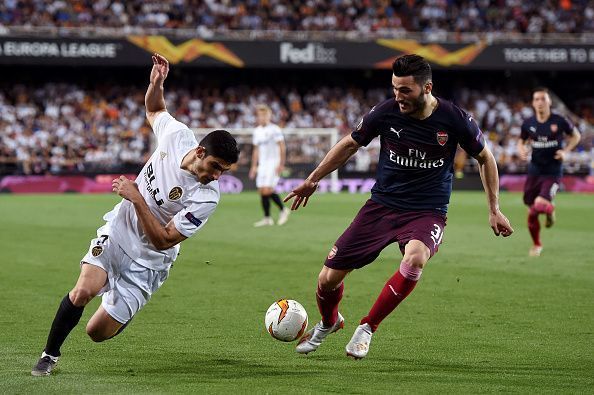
286,320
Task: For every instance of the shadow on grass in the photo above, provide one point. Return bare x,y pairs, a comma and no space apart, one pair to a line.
188,369
488,373
207,368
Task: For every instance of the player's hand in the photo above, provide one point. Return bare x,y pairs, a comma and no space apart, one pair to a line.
560,155
160,69
523,154
500,224
301,194
125,188
252,174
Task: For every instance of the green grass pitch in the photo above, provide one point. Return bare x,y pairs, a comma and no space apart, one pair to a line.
484,318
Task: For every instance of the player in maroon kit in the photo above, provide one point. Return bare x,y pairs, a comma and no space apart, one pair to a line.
546,132
419,134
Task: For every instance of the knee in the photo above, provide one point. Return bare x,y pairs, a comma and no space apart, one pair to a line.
417,259
543,206
80,296
328,282
100,331
95,333
323,282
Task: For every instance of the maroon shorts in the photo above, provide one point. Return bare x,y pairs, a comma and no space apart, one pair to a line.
377,226
543,186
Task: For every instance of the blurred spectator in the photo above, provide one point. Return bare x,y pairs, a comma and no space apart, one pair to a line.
65,128
387,17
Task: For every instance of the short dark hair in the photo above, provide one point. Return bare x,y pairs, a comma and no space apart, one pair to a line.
541,89
414,65
221,144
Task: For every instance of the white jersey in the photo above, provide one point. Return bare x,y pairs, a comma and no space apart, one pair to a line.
266,138
169,191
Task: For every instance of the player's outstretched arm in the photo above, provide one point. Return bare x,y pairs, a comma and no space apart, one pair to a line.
335,158
162,237
490,177
154,100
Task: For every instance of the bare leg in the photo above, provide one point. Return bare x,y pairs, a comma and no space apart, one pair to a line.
102,326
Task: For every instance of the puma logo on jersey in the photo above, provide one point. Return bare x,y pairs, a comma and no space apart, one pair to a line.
396,131
532,129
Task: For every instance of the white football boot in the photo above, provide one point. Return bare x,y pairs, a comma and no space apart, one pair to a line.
284,216
316,335
535,251
358,347
266,221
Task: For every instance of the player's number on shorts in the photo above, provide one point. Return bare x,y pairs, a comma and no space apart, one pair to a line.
436,235
103,240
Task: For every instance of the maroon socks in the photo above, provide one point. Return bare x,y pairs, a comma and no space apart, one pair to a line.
398,287
328,304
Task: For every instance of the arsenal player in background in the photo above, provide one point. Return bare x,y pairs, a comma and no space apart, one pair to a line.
546,133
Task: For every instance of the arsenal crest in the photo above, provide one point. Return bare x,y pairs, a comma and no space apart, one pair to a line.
554,128
442,137
332,252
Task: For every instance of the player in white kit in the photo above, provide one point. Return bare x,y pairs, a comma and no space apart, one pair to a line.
268,161
170,200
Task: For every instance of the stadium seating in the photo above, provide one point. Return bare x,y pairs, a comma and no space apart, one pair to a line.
65,128
388,17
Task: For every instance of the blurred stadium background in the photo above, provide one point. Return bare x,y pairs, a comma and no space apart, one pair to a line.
72,89
75,74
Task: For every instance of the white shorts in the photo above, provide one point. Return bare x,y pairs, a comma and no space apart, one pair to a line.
267,177
129,285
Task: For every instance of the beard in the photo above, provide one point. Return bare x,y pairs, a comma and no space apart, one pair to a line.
414,106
